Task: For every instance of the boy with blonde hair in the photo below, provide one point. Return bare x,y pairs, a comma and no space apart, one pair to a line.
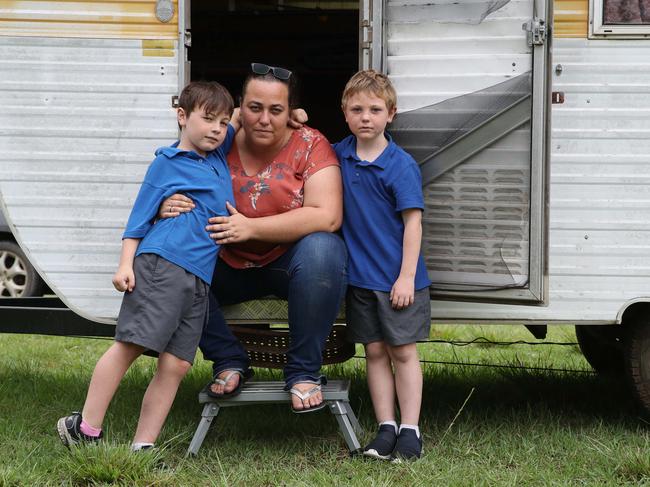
387,304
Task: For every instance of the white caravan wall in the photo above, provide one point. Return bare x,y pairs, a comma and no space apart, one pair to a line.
79,124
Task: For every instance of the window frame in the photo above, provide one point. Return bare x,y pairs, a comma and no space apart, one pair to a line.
597,29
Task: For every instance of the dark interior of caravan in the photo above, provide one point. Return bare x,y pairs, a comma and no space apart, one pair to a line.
317,40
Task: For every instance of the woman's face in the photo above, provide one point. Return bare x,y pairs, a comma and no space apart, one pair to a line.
265,112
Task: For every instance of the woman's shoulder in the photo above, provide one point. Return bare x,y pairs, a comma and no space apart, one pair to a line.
309,135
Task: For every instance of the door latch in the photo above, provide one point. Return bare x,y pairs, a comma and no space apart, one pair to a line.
535,31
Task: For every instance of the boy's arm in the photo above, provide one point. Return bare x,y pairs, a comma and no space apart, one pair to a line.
235,121
124,278
403,291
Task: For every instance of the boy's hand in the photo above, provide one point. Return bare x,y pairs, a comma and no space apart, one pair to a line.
402,293
297,118
175,205
124,279
235,120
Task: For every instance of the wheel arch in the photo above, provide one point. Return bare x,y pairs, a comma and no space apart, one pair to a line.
633,310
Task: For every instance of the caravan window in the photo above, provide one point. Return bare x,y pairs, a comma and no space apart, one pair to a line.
621,17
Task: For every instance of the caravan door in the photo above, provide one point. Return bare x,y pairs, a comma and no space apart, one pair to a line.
472,86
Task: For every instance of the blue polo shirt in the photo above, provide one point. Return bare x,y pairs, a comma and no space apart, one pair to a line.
183,240
374,195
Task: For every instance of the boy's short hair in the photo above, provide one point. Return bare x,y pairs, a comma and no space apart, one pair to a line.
373,82
209,95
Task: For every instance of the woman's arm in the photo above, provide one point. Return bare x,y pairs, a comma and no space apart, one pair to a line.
322,211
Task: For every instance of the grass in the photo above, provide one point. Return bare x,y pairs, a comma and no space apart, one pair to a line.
482,425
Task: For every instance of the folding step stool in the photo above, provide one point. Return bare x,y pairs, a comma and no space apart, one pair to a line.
335,394
267,347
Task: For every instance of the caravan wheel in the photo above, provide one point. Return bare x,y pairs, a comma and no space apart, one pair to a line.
637,360
17,276
602,347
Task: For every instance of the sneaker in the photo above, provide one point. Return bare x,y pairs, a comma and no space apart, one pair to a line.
383,444
70,432
408,447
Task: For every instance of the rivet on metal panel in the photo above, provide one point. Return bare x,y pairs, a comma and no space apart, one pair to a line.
164,10
175,101
558,69
586,237
557,97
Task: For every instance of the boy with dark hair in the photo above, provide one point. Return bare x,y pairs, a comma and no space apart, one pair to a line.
165,268
387,304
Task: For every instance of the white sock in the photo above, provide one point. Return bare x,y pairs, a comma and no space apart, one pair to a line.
140,445
391,423
411,427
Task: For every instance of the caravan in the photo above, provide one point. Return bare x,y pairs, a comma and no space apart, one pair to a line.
532,131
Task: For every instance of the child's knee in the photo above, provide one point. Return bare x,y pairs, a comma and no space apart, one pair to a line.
376,351
403,353
170,364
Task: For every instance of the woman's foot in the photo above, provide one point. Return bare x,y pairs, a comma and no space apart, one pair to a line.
306,397
228,383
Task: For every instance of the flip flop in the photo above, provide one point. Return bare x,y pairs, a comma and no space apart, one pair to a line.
306,395
243,377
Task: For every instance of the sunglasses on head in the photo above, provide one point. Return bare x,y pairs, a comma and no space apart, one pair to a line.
279,73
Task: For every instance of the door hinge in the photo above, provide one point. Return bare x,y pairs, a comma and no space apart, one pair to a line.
535,31
188,38
367,34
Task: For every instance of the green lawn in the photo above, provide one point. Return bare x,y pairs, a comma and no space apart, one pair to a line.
482,425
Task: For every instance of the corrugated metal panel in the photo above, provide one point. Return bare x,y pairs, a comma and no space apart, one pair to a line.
124,19
600,191
570,18
79,125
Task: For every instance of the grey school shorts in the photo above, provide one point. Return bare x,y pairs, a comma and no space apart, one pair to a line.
371,318
166,311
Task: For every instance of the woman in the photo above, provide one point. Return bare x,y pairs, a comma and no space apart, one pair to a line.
278,241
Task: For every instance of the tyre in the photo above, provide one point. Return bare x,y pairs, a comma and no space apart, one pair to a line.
17,276
602,346
637,361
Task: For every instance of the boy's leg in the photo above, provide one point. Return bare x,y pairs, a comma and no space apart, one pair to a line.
381,382
159,397
408,381
106,378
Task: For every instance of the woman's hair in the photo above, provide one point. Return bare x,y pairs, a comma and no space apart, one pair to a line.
209,95
370,81
291,84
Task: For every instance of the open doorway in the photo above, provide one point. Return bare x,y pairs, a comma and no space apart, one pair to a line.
317,40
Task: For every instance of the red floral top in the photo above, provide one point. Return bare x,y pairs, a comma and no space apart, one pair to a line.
275,189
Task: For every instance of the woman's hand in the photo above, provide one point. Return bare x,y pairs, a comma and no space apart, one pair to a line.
175,205
403,293
230,229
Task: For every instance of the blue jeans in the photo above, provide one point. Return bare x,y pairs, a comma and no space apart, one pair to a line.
311,275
